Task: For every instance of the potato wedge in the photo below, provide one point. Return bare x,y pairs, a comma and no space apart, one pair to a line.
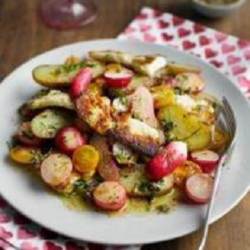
50,98
137,185
200,140
178,123
61,75
46,124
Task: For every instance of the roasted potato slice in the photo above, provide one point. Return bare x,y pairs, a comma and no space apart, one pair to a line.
189,82
137,185
219,140
50,98
200,140
146,64
178,123
46,124
61,75
163,96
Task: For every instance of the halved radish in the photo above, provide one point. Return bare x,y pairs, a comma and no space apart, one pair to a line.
118,79
177,153
80,82
68,139
207,159
199,188
164,163
110,195
56,169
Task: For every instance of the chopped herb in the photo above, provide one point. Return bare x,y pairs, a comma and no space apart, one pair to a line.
124,100
178,91
167,126
81,186
68,68
12,143
149,187
214,105
109,58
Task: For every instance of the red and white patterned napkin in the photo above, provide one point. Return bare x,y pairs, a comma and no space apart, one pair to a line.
229,54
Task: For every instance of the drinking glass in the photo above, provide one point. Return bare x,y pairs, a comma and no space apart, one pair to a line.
67,14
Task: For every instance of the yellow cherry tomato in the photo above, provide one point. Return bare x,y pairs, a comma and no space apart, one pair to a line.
163,96
184,171
85,160
25,155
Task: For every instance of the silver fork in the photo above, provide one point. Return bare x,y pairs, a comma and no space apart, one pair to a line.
230,124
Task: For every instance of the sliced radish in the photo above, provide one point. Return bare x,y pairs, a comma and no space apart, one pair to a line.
110,195
25,135
118,79
68,139
56,169
166,161
81,82
199,188
207,159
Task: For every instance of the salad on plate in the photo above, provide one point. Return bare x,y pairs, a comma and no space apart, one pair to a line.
117,132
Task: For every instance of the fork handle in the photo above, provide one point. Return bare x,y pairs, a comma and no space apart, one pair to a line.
211,204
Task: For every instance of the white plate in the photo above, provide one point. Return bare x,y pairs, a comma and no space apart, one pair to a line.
31,198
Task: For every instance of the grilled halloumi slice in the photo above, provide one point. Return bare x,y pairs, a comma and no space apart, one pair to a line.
95,110
146,64
137,135
111,56
149,65
50,98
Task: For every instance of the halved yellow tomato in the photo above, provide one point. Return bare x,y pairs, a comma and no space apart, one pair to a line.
184,171
85,160
163,96
25,155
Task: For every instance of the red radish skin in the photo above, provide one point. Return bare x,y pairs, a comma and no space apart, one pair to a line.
207,159
199,188
68,139
25,135
118,79
81,82
56,169
110,195
166,161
